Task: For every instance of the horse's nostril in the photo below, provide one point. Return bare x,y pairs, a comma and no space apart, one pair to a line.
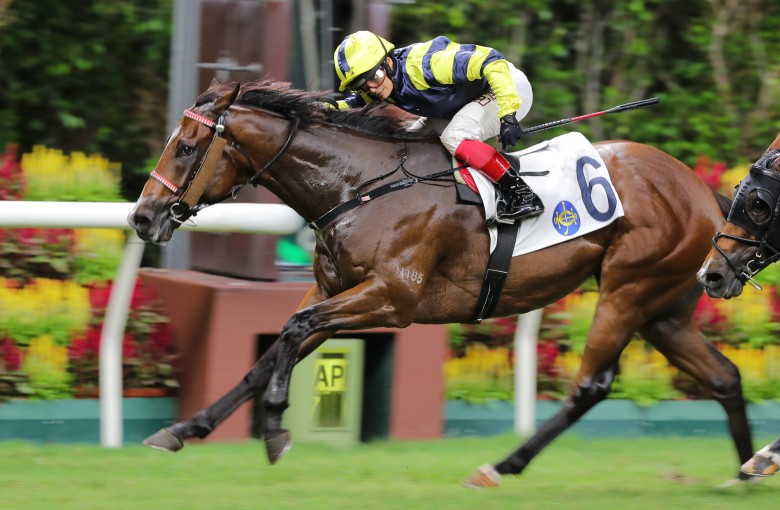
139,222
712,278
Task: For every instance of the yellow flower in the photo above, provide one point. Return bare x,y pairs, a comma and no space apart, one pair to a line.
51,175
44,307
47,355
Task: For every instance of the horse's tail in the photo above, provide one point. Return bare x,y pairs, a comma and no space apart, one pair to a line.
724,202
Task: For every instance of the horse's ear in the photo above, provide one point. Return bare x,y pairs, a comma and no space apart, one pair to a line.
223,103
214,83
234,94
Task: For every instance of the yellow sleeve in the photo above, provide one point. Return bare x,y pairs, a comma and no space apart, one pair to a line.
500,79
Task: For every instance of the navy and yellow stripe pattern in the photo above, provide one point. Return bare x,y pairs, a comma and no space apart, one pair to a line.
439,77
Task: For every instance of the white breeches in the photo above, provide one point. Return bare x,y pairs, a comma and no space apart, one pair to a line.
479,120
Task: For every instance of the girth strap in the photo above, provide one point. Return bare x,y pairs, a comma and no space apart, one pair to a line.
497,269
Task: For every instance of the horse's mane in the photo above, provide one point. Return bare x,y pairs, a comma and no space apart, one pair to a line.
311,108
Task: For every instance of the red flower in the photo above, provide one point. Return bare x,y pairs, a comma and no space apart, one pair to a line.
144,296
11,355
98,295
27,234
93,340
707,314
161,337
505,327
59,236
546,353
11,179
711,174
78,348
129,349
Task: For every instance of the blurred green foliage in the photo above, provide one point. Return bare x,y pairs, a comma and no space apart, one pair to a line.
86,76
92,76
711,64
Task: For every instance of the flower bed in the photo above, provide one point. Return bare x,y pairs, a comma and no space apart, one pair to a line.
480,366
55,284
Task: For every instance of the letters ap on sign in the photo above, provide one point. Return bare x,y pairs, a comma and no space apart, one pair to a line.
330,375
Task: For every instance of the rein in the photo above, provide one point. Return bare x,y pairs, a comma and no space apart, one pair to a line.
187,205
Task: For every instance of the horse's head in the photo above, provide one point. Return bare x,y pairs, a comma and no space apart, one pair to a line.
191,170
750,240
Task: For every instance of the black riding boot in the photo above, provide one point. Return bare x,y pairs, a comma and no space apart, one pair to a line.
517,200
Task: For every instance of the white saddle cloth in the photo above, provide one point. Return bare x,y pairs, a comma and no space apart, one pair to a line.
577,193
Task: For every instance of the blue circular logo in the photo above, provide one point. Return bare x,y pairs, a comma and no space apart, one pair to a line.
566,219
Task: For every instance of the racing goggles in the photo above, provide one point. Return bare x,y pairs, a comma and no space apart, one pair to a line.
375,75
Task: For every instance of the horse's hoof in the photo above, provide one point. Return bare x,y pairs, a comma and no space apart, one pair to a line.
742,479
759,466
164,440
277,445
484,478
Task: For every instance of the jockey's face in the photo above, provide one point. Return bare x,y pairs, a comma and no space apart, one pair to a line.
381,87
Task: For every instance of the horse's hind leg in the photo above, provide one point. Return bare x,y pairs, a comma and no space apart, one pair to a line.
590,391
677,338
765,462
606,340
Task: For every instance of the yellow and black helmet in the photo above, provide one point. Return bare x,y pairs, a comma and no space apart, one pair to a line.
358,57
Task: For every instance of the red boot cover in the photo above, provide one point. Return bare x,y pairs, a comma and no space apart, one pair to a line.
483,157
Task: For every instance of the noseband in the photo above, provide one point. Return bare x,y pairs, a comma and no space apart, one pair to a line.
189,195
766,183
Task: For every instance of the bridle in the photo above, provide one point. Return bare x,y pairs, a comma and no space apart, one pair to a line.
766,235
186,206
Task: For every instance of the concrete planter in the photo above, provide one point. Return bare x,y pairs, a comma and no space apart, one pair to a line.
613,418
78,420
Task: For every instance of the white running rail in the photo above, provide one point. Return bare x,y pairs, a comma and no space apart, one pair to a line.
275,219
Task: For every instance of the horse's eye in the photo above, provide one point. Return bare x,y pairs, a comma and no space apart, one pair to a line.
757,209
185,151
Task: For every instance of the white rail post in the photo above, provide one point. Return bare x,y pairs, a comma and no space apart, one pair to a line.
526,335
111,343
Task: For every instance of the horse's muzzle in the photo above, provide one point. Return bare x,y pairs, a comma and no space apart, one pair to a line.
158,230
719,284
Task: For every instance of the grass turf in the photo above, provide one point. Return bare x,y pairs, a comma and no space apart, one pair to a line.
573,473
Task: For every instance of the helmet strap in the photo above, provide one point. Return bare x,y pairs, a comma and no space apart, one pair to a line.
390,71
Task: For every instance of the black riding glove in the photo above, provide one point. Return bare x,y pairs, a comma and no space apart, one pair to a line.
511,132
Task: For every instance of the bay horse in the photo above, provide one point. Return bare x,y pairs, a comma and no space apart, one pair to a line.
747,244
419,255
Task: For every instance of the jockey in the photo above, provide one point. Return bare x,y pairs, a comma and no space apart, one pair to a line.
468,93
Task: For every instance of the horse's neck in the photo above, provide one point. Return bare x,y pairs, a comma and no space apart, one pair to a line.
326,167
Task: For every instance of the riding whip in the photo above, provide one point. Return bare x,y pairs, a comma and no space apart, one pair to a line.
616,109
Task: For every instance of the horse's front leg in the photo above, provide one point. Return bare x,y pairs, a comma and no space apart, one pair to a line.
366,305
765,462
256,380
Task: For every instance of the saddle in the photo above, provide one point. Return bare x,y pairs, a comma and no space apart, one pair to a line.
571,179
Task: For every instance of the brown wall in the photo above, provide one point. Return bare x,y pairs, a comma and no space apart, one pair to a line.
249,33
216,322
